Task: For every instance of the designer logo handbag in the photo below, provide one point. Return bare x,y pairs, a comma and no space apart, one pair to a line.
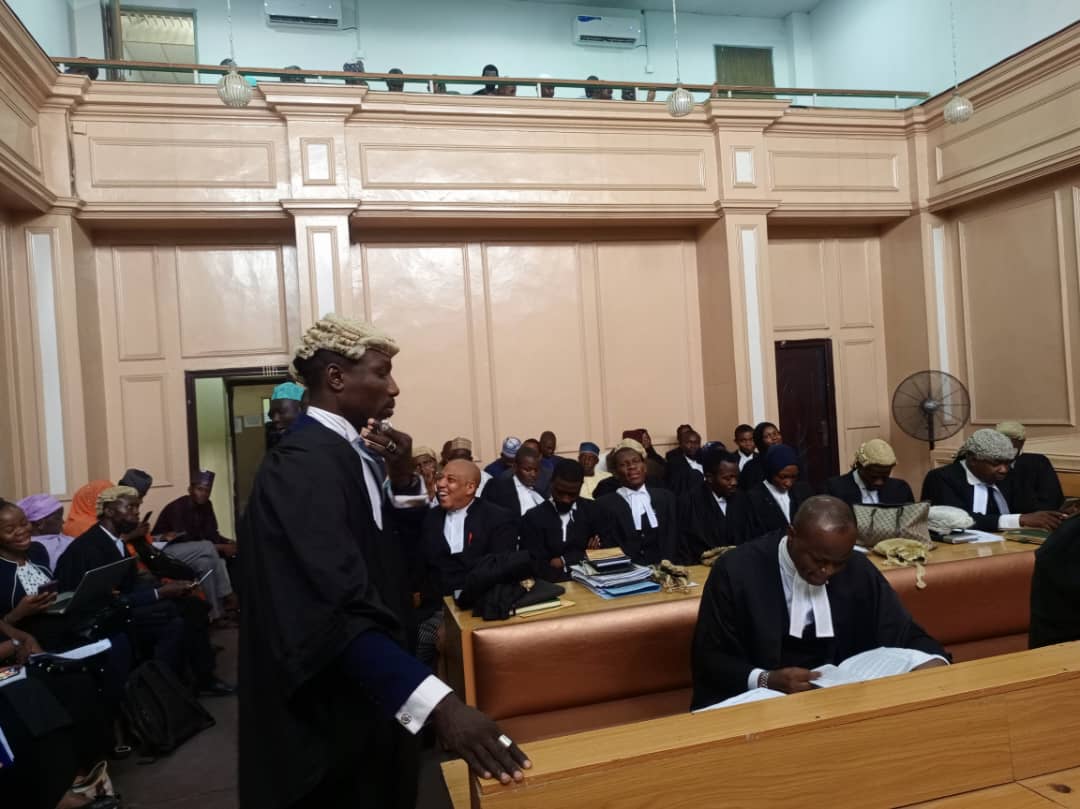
877,523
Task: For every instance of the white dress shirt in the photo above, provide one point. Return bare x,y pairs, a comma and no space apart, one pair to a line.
119,543
1006,521
565,519
485,478
695,465
744,459
640,502
527,497
414,713
805,603
454,528
722,502
783,499
869,497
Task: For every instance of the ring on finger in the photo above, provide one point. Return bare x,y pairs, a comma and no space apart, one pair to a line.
391,446
505,741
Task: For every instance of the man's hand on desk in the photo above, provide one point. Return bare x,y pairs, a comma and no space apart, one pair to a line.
1047,520
476,738
931,664
792,680
556,562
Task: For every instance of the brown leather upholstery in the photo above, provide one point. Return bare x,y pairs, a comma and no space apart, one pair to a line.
566,674
522,668
972,600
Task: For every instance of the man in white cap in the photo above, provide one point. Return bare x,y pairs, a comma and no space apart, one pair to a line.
330,698
505,462
1034,483
976,482
870,480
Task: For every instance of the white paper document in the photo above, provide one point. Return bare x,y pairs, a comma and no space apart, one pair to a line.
881,662
971,536
753,695
80,653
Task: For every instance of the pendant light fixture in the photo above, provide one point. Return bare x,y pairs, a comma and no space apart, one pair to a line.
232,88
681,101
958,108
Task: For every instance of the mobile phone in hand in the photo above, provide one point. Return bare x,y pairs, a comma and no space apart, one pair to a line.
49,587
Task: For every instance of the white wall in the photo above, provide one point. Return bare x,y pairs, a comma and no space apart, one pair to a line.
886,44
461,36
49,21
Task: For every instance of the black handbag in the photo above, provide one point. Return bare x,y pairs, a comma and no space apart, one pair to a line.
160,563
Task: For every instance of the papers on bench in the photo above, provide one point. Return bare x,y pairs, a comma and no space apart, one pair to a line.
971,536
885,661
81,653
621,578
753,695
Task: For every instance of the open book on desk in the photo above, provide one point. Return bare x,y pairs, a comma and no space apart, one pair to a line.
885,661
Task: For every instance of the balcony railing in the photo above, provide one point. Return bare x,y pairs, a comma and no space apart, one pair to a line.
434,83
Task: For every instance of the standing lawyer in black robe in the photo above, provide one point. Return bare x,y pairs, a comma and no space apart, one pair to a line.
329,697
716,513
1055,587
758,592
559,531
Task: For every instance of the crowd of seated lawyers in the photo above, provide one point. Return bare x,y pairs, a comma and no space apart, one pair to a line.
60,723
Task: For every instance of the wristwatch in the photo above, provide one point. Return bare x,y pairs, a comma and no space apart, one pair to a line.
763,680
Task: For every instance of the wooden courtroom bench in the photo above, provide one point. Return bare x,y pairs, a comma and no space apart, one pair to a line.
606,662
983,731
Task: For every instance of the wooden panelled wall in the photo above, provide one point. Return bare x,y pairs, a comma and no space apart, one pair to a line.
579,266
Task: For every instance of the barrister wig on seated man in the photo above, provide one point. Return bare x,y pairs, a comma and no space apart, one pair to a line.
1033,483
715,513
559,531
870,480
766,434
774,501
644,519
767,617
977,482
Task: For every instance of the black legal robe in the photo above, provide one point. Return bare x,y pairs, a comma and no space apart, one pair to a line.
679,475
651,545
317,572
611,485
705,526
752,473
766,514
896,491
488,529
502,492
1055,587
1033,484
948,486
542,536
743,620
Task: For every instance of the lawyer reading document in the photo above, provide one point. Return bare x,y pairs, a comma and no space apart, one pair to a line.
776,609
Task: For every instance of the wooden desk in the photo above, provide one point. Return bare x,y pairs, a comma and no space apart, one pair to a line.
894,742
460,624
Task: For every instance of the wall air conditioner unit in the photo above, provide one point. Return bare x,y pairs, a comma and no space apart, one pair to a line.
608,31
304,13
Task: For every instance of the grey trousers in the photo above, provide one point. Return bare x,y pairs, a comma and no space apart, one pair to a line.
201,557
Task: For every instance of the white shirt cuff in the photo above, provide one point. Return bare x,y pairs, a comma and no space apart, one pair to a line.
405,501
1008,522
751,681
418,707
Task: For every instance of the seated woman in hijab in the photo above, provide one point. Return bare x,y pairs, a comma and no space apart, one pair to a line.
775,500
766,434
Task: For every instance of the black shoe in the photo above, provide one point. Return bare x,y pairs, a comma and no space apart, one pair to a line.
215,687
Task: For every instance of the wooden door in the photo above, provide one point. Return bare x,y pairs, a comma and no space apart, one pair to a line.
806,396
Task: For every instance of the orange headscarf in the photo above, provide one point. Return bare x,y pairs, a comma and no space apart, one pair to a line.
83,514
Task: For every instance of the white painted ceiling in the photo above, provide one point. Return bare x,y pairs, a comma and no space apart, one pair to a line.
736,8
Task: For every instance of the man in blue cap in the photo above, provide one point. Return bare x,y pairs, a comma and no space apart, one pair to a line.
505,462
286,406
589,457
